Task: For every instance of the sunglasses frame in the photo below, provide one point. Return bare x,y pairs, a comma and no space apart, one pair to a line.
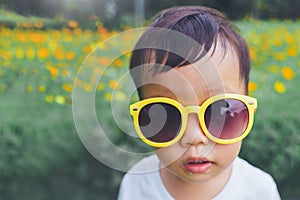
250,102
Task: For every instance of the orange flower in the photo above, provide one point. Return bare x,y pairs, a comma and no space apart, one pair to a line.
113,84
277,42
21,37
70,55
119,63
65,73
53,71
252,86
38,37
87,49
104,61
59,54
38,25
67,87
289,39
292,51
252,53
42,53
73,24
287,73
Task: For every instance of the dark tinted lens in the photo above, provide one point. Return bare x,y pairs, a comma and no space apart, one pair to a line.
160,122
227,118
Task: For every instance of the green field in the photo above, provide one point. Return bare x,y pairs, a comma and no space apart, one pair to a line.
41,155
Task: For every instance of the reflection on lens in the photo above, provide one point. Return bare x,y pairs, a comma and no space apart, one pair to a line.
159,122
226,118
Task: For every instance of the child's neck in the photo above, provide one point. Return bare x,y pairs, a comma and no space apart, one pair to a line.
180,189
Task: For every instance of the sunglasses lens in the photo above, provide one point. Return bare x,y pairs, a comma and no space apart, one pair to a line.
159,122
226,118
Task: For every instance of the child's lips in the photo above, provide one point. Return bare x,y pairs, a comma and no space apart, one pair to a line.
197,165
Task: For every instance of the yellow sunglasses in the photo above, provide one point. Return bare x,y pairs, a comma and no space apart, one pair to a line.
224,119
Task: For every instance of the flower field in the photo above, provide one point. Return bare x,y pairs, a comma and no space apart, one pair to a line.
38,68
46,61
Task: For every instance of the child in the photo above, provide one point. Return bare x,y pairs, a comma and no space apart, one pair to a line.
194,111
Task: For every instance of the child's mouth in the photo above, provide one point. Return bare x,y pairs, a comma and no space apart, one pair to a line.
197,165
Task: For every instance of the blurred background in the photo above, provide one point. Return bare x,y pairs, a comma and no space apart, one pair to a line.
44,42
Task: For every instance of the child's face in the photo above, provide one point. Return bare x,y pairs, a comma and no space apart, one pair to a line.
189,87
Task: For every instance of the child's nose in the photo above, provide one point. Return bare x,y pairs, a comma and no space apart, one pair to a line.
193,134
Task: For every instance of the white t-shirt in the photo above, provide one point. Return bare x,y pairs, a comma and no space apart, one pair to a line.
245,183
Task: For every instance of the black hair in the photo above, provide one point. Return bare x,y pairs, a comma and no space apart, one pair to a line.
204,25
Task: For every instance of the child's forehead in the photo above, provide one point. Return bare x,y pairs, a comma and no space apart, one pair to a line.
196,82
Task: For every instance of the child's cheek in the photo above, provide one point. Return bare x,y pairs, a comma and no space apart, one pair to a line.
168,155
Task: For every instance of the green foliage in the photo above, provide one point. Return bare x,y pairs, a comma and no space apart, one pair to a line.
274,142
41,156
13,20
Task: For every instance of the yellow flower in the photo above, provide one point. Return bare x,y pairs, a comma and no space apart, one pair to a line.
29,88
120,96
41,88
107,96
49,98
77,31
60,99
287,73
252,86
52,45
88,87
30,53
280,56
100,86
19,53
279,87
3,87
274,69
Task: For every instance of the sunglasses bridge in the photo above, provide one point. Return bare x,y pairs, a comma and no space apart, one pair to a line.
191,109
